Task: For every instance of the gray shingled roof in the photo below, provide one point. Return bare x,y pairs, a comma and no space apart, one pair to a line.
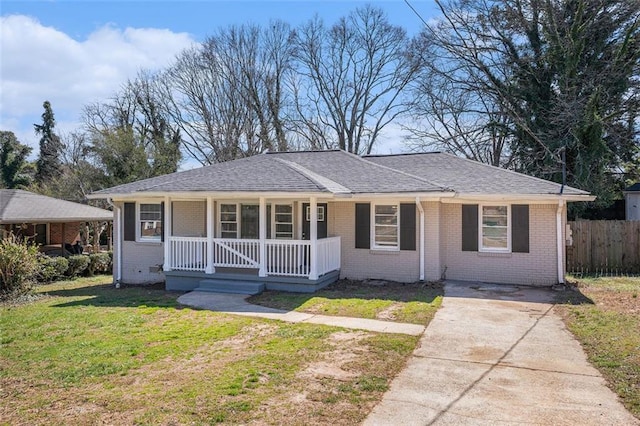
339,172
17,206
309,172
470,177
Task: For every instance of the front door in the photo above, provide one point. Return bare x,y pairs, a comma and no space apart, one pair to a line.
322,221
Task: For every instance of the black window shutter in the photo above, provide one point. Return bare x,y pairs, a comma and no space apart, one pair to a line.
469,227
407,226
162,220
520,228
129,221
363,225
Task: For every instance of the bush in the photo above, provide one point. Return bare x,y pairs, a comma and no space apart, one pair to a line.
52,268
77,265
99,263
18,266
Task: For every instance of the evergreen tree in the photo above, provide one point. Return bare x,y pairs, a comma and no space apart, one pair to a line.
48,165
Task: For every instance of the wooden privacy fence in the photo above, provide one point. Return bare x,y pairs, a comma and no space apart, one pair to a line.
604,247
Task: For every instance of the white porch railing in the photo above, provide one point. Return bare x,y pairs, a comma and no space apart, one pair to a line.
188,253
328,255
233,253
290,258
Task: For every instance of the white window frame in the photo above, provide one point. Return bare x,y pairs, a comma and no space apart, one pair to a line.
481,247
220,221
320,213
374,246
139,237
274,222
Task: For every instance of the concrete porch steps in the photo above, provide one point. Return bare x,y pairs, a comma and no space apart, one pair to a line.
231,286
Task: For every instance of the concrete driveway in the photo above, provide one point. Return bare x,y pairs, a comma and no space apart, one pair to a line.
498,355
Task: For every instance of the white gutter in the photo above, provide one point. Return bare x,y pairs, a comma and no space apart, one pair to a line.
421,253
117,231
560,242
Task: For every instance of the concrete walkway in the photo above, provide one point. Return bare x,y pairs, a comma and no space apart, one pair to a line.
498,355
237,304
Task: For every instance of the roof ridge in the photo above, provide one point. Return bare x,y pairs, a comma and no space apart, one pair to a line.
317,178
402,153
442,187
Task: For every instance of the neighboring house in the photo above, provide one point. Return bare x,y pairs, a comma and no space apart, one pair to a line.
46,221
299,220
632,202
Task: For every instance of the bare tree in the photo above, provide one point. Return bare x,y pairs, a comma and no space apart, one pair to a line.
559,79
131,136
228,96
352,79
460,121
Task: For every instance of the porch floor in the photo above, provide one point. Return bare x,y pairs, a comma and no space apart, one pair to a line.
243,281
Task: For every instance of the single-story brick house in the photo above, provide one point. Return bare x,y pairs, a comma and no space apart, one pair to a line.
46,221
300,220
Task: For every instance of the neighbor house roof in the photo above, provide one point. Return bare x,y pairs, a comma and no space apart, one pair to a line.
18,206
470,177
633,188
341,173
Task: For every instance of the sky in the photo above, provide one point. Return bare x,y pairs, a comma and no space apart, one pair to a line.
75,53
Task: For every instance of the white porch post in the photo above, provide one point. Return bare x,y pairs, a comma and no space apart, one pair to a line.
166,228
209,269
313,230
262,216
560,242
118,238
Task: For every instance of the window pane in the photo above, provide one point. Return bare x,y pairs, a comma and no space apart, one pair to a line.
494,242
283,208
228,208
386,225
150,221
386,220
229,227
250,223
495,230
386,209
228,217
284,228
494,210
286,218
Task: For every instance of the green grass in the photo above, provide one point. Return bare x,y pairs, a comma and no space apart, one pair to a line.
605,317
414,303
89,353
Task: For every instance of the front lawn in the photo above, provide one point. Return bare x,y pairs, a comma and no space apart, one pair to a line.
414,303
604,315
88,353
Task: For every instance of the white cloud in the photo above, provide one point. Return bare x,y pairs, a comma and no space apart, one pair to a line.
39,63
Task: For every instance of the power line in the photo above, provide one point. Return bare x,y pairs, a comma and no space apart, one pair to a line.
416,12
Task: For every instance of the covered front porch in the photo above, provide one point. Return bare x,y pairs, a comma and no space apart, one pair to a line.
246,244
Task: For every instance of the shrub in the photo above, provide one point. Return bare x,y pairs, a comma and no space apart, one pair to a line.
77,265
52,268
18,266
99,263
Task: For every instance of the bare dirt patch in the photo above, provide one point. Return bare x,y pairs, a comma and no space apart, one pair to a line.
389,314
325,394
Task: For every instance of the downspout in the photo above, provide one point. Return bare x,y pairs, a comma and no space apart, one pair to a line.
560,242
421,253
117,230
